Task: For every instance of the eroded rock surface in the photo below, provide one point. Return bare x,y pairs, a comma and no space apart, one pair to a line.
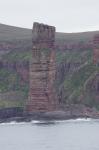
42,70
96,49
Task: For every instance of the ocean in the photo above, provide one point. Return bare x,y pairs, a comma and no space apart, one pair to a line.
79,134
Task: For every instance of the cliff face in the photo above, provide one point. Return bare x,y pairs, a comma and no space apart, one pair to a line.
22,68
76,78
96,50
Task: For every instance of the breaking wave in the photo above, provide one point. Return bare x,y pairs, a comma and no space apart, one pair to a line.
35,122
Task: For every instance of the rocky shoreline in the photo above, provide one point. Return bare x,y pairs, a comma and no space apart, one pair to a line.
47,116
62,113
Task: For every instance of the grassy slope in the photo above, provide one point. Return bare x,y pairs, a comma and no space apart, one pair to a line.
77,87
10,33
15,56
12,92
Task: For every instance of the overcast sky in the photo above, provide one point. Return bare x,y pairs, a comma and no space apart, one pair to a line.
66,15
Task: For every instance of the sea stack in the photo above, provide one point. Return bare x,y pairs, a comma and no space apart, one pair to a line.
42,95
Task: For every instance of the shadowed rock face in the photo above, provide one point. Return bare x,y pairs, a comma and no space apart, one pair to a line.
42,70
96,50
43,34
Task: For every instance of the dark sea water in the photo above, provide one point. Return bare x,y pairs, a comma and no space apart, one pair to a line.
80,134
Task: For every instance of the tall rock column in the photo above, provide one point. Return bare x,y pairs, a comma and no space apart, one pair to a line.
96,50
42,70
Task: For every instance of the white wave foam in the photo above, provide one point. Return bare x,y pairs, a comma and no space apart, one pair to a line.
35,121
13,123
50,121
83,119
61,121
80,120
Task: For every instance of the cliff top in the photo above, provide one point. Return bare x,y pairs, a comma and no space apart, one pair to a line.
17,33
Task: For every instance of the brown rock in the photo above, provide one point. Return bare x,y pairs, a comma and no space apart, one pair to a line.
42,70
96,49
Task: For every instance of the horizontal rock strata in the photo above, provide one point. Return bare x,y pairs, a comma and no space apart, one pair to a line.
96,50
42,70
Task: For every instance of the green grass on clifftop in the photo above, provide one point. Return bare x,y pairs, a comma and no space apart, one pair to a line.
18,56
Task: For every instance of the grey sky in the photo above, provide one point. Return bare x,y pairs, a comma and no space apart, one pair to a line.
66,15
